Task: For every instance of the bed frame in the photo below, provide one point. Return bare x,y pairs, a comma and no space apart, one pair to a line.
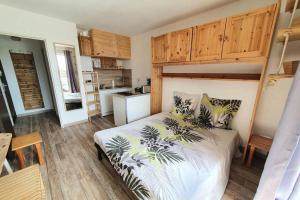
102,157
160,60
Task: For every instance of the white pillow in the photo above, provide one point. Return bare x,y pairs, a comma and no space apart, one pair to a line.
184,105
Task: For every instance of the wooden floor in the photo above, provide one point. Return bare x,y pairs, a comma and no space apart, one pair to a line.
73,171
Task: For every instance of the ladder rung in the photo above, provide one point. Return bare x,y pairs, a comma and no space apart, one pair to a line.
95,102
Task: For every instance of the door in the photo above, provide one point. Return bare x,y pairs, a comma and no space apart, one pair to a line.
247,35
159,49
207,41
6,125
124,47
179,45
104,44
27,80
7,94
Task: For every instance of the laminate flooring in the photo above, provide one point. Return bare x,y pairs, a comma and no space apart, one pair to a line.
73,171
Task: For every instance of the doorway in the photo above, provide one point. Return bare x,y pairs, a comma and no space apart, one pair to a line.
27,78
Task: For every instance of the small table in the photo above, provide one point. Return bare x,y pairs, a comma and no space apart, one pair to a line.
23,184
5,139
259,142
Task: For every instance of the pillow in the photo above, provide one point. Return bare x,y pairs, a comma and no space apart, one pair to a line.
217,113
184,105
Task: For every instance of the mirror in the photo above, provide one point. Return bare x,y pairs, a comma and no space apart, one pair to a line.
68,73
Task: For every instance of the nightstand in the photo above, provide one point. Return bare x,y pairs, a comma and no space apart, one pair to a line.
258,142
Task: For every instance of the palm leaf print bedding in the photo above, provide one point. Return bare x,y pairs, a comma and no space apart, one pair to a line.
148,155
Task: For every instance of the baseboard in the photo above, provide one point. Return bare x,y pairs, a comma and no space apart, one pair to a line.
74,123
35,112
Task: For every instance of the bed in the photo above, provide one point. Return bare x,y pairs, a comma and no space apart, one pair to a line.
162,157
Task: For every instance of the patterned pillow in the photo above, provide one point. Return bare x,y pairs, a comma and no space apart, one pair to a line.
184,105
217,113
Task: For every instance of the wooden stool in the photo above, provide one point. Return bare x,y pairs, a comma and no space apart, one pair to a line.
258,142
20,142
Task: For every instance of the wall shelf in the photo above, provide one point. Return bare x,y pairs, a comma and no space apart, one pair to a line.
279,76
294,33
214,76
290,5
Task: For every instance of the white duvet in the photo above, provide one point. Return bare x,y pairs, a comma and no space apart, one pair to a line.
160,157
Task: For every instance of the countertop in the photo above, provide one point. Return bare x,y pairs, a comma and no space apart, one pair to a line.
115,89
131,96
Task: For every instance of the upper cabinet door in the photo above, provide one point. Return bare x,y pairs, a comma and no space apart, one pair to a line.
179,45
104,44
208,41
124,47
85,45
159,54
247,35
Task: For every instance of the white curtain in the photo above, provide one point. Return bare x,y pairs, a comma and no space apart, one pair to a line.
280,179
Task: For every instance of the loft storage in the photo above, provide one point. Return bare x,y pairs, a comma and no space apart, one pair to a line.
214,76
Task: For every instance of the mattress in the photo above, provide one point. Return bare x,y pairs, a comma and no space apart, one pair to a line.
161,157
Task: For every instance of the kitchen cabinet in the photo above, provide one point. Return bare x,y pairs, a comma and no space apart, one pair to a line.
123,47
208,41
106,99
242,36
246,35
159,49
106,44
179,45
130,108
85,45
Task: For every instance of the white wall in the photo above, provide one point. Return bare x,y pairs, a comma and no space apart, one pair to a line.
27,24
274,97
25,45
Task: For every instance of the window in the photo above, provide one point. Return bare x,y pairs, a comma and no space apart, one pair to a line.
62,65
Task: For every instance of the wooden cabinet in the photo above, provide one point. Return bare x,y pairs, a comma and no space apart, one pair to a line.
106,44
179,45
85,46
208,41
123,47
159,49
246,35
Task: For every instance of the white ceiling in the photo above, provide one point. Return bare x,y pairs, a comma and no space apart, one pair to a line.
128,17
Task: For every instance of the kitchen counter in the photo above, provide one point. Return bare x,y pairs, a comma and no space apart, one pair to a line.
130,94
129,107
106,98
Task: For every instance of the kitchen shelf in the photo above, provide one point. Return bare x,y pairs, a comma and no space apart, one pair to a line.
92,93
214,76
92,102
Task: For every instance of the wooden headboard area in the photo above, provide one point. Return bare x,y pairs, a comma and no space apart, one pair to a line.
244,38
218,89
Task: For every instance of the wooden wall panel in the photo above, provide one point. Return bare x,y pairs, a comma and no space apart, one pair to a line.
156,89
28,80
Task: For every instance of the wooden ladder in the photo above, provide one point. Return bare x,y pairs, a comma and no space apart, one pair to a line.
91,86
